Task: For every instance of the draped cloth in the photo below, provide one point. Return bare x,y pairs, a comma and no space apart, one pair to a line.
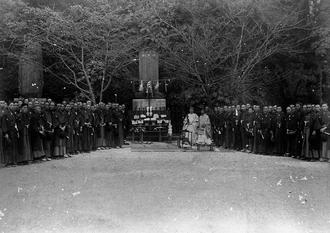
204,130
190,124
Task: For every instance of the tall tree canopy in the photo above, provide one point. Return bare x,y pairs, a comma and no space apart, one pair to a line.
221,50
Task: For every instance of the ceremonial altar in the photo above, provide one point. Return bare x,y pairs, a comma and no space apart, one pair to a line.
150,124
151,120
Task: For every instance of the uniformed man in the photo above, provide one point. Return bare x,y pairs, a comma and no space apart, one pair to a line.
227,126
267,131
243,131
307,120
108,126
300,119
221,126
60,124
11,135
87,130
236,122
48,118
24,142
258,133
279,136
248,125
325,133
214,122
315,141
38,133
118,125
213,119
291,133
2,113
100,112
76,125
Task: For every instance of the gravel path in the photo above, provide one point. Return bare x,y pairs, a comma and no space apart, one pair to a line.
153,192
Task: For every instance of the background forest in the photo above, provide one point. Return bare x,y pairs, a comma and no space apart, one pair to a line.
211,51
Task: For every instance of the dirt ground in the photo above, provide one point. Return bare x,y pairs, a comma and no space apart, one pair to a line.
177,192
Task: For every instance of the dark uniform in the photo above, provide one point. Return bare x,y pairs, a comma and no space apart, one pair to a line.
300,131
2,154
87,130
291,134
76,129
315,138
48,116
244,136
24,142
236,123
325,135
38,133
249,130
60,133
109,135
307,120
118,128
228,129
268,133
258,133
10,130
279,134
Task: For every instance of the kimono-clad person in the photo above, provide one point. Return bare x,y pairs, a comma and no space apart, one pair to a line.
249,129
279,135
87,129
11,135
118,126
60,138
190,124
315,137
76,124
244,114
204,129
48,116
258,132
101,140
95,127
70,129
306,131
236,121
325,133
24,142
2,113
291,132
227,127
121,115
108,126
37,133
215,124
221,123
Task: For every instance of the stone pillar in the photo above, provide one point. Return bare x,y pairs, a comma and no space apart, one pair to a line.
31,71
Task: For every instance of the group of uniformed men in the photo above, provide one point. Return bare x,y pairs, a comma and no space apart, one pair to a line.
301,131
42,130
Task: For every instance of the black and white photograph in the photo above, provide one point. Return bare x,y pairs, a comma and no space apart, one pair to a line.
164,116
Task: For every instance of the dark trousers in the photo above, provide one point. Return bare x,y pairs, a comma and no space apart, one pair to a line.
291,144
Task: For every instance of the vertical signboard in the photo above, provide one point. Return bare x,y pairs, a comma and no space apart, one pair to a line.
31,71
148,65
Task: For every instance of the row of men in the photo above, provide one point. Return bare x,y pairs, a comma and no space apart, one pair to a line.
299,131
32,130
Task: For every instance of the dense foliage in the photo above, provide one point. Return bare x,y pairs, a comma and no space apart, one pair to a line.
213,51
